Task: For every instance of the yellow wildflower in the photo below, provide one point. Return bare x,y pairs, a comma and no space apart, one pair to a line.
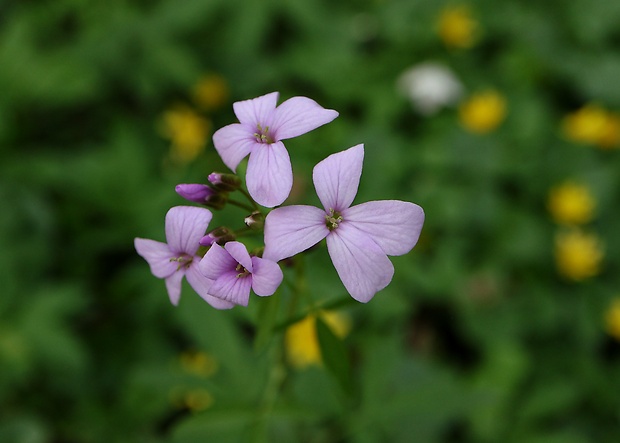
457,28
187,130
483,112
210,92
593,125
578,255
199,363
301,340
612,319
198,400
194,399
571,203
610,136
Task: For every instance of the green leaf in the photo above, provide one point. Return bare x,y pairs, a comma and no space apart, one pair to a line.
334,355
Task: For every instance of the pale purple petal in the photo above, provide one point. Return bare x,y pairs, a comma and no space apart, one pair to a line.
257,111
299,115
394,225
269,176
185,226
337,177
239,252
202,284
232,289
173,285
361,264
266,277
293,229
216,262
234,142
157,255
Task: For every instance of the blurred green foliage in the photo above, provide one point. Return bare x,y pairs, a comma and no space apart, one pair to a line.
477,339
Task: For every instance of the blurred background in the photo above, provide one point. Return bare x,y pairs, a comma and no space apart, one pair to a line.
501,119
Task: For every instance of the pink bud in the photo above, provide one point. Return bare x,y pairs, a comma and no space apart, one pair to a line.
195,192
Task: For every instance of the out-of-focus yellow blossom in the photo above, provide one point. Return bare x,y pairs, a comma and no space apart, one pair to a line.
210,92
187,130
301,340
593,125
457,28
578,255
571,203
610,136
612,319
198,400
199,363
483,112
194,399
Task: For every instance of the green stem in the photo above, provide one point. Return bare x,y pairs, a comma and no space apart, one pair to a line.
250,199
277,375
246,231
241,205
301,284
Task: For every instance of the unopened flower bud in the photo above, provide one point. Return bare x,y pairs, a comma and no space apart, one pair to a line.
255,221
203,194
196,193
224,182
219,235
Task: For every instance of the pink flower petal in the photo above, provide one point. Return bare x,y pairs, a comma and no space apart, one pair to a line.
239,252
216,262
299,115
361,264
394,225
337,177
157,255
269,176
202,284
293,229
232,289
234,142
173,285
185,226
266,277
257,111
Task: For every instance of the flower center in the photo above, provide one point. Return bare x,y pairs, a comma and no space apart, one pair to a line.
333,219
182,260
263,135
242,271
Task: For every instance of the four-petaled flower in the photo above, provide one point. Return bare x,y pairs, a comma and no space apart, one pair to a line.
234,272
359,238
185,226
260,132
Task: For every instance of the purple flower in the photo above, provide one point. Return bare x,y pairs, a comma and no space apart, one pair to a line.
235,272
185,226
359,238
262,126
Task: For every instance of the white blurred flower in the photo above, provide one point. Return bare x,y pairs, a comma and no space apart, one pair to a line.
430,86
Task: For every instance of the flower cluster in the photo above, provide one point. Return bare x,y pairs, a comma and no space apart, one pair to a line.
222,270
